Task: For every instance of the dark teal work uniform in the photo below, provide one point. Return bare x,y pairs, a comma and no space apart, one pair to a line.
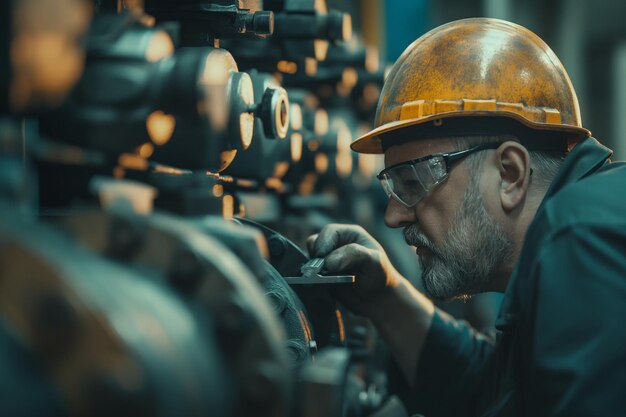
561,343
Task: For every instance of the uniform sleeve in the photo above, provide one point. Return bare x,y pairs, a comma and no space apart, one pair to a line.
454,360
578,365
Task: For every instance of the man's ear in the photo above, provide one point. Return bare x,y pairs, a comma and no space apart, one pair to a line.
514,165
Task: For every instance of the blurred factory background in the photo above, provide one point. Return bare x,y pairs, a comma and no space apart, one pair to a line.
162,163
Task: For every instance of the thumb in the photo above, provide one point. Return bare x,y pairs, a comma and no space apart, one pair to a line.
310,244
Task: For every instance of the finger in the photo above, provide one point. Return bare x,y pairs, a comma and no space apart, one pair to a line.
334,236
310,244
326,241
349,258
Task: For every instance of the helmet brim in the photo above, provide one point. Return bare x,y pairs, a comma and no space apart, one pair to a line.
435,126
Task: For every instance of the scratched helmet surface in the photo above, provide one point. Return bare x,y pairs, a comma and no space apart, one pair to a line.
470,70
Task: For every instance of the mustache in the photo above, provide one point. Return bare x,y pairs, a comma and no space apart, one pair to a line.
413,237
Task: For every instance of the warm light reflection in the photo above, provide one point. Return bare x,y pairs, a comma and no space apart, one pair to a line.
160,46
46,52
246,129
226,158
281,115
44,69
344,164
275,184
367,164
146,150
372,60
307,185
164,169
242,98
344,137
130,161
343,90
296,146
320,126
218,65
346,27
280,169
295,116
343,159
147,20
218,190
321,163
362,129
228,206
371,93
313,145
320,47
242,183
135,6
242,213
288,67
310,66
349,77
160,127
342,331
304,325
311,100
320,6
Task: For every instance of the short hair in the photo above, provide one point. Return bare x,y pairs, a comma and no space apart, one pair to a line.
544,163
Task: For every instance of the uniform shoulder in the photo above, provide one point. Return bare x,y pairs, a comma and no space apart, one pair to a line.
598,200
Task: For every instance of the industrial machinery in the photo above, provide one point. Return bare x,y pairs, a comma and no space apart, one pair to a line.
161,163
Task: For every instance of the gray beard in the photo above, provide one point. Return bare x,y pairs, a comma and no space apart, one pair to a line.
474,248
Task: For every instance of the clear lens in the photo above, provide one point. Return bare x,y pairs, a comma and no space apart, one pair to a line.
406,184
409,184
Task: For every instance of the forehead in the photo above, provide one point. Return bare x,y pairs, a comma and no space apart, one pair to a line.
415,149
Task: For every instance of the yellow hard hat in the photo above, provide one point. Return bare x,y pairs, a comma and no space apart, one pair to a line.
472,77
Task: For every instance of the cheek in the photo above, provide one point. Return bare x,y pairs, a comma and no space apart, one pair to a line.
434,222
437,213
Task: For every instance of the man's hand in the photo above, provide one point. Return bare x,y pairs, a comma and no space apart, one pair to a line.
401,313
349,249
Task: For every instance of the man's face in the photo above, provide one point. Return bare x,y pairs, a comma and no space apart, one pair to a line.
459,243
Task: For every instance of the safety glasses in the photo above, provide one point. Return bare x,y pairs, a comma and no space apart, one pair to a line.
411,181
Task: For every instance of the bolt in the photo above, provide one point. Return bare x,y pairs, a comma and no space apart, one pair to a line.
260,23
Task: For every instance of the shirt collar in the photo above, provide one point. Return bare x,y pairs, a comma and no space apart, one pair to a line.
584,159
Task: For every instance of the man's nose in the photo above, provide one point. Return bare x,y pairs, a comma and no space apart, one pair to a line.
398,215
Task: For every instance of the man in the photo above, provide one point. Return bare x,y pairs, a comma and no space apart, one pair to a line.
499,188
